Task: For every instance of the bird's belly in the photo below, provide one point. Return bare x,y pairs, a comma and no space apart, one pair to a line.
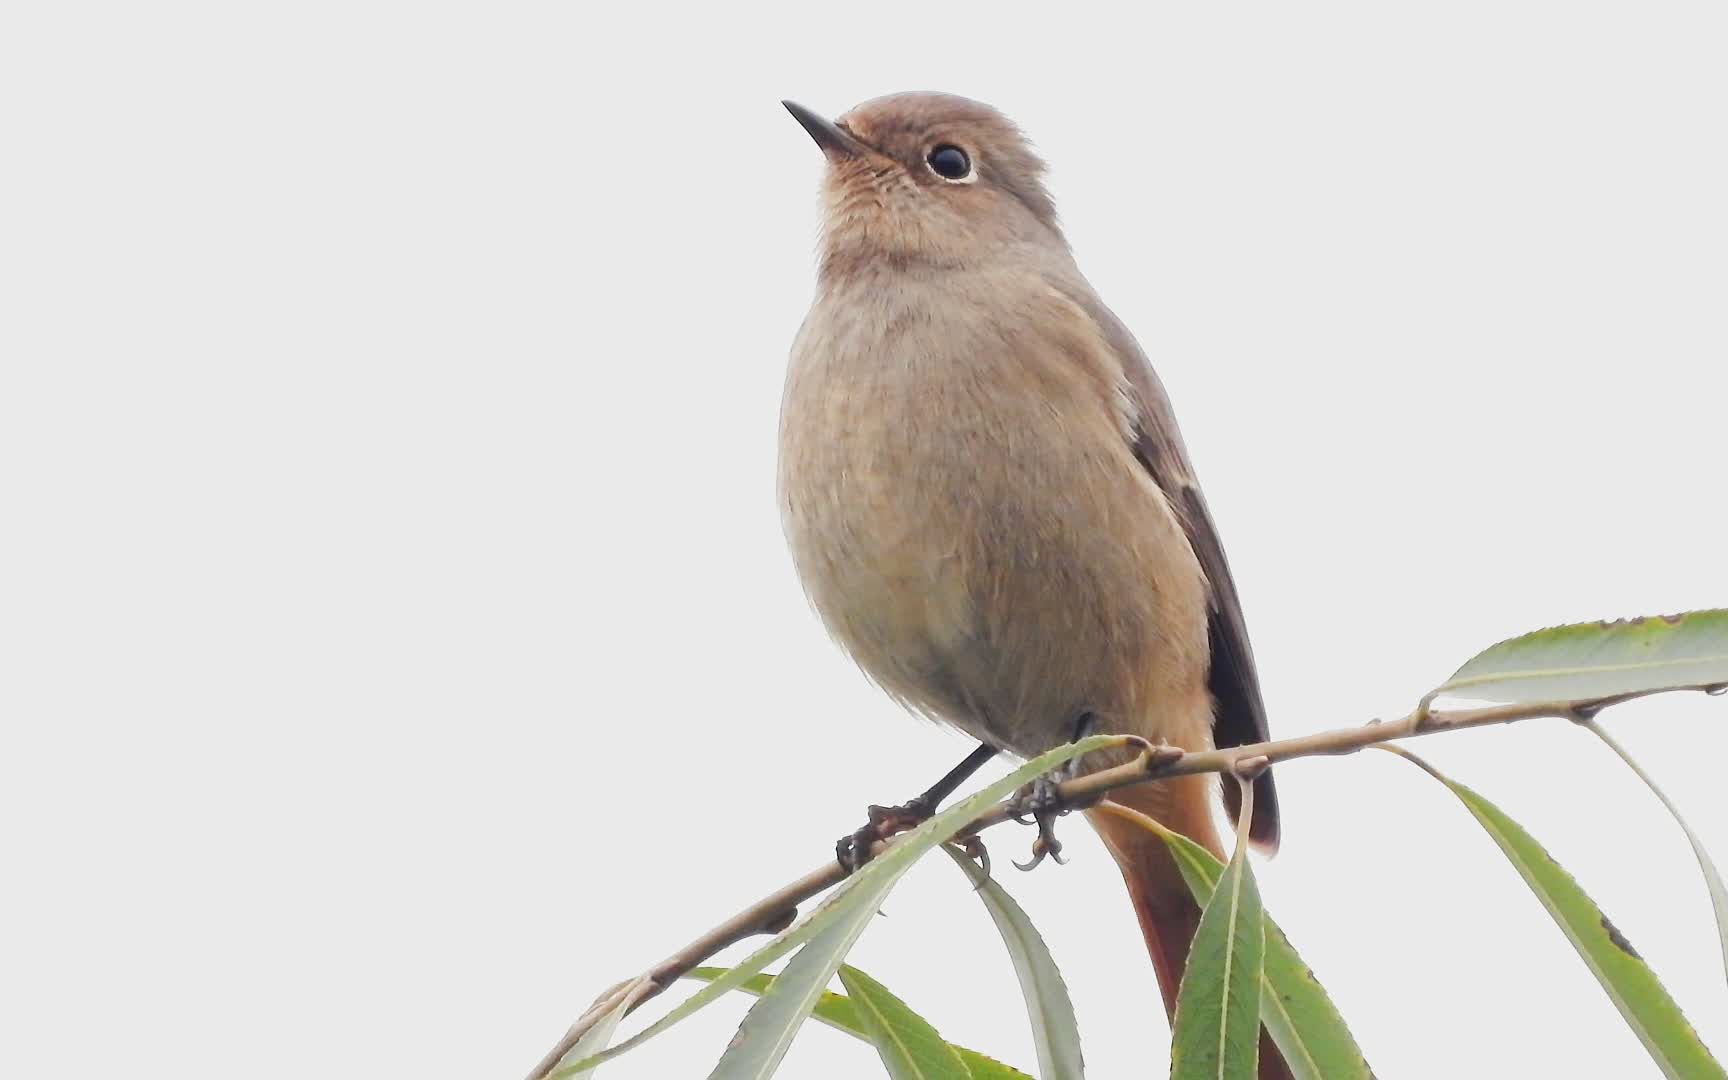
990,582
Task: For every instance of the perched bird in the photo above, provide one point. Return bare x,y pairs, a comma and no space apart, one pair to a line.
985,492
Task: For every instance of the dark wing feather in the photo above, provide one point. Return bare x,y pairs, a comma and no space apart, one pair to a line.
1233,681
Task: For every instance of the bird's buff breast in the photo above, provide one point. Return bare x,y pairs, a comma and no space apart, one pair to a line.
963,508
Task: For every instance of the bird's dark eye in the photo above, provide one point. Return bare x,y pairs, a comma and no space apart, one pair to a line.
950,162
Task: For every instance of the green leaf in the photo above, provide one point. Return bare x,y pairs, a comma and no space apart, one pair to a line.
837,1012
1309,1031
769,1027
1712,879
1628,980
1054,1030
601,1033
909,1046
777,947
1588,662
831,1008
849,906
1216,1034
983,1067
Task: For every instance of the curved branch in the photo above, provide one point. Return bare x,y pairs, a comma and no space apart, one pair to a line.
776,911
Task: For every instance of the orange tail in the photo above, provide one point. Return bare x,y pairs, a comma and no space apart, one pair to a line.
1167,911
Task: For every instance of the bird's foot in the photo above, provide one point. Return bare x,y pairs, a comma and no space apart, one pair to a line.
1043,800
973,848
854,849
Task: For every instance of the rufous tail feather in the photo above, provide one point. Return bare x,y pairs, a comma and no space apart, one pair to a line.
1167,911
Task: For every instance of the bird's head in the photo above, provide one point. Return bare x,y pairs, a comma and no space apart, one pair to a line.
926,178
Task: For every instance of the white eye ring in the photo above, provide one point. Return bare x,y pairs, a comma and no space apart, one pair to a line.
949,157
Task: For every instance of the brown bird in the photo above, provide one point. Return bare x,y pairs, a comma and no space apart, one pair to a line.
985,492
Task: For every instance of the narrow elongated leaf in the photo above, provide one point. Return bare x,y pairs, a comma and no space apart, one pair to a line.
1627,979
850,904
1712,879
837,1012
777,947
909,1047
984,1067
600,1034
1216,1034
1055,1033
769,1027
1590,661
831,1008
1309,1031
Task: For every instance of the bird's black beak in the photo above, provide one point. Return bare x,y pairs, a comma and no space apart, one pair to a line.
835,141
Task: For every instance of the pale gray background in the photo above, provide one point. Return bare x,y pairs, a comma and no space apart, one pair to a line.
396,640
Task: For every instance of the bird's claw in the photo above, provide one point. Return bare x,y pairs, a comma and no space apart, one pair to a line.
973,848
1042,799
855,848
1044,846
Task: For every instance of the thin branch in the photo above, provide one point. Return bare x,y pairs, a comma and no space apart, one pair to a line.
775,912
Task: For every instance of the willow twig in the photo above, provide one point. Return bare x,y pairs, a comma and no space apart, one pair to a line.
776,911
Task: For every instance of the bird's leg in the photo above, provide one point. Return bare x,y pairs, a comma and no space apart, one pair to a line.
853,849
1042,799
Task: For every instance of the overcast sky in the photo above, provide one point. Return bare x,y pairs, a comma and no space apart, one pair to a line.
397,643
